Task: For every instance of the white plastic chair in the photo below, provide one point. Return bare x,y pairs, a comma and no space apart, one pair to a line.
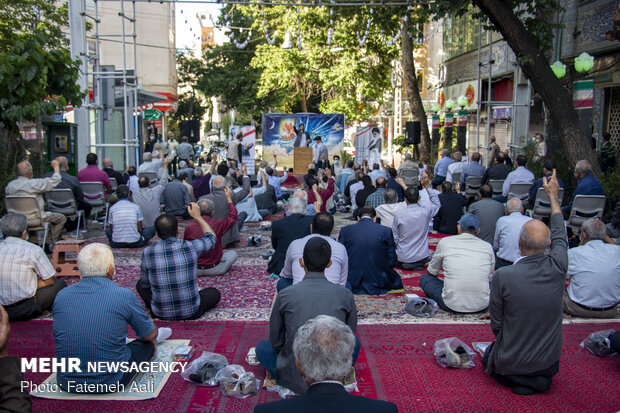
456,178
63,202
519,190
151,175
410,176
113,184
585,207
472,185
95,196
497,185
542,204
27,206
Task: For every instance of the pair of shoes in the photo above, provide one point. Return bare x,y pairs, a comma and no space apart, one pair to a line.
255,241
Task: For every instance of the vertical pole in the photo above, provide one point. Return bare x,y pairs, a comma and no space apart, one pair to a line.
98,86
478,92
136,127
490,88
77,29
125,111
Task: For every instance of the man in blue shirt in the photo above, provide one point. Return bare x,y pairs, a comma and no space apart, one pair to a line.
473,169
168,283
90,323
587,185
441,168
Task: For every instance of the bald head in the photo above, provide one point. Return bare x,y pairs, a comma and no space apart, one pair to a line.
514,205
24,169
63,163
534,238
107,163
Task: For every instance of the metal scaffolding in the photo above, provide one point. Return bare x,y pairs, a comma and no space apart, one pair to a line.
98,77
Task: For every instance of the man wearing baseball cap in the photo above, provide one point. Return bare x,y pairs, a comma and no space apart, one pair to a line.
467,263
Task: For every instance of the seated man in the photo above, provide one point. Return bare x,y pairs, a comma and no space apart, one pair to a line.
507,230
133,180
249,204
187,169
455,167
548,168
287,230
90,323
499,170
488,212
149,164
275,180
520,175
594,271
450,211
201,182
126,226
323,349
324,193
441,168
526,306
215,261
376,198
372,258
472,169
27,283
168,284
184,178
12,397
468,263
25,184
362,195
108,168
393,182
148,198
377,172
295,305
586,185
338,270
92,173
72,183
410,227
389,208
175,197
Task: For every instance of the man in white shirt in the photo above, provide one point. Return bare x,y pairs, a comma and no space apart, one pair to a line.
468,264
521,174
27,283
594,271
149,198
359,176
507,230
391,206
456,167
125,220
410,227
337,272
149,164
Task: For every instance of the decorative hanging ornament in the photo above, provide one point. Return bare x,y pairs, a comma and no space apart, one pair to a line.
232,35
394,39
272,40
362,41
330,32
299,39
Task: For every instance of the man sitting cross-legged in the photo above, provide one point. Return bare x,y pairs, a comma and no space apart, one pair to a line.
468,264
90,323
295,305
337,272
27,283
215,261
594,271
323,349
168,283
126,230
526,306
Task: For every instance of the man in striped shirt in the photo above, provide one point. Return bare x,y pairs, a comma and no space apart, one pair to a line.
27,283
168,283
126,229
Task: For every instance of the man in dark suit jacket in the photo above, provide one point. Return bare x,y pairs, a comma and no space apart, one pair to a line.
295,305
499,170
451,210
323,350
287,230
372,255
218,197
488,212
526,306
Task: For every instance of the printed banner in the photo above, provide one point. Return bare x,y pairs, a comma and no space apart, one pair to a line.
247,144
368,145
283,132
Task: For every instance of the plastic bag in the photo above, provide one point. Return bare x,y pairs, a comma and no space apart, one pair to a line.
238,383
421,307
598,343
205,368
452,352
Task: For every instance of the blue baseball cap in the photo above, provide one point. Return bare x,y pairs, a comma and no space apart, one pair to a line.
469,222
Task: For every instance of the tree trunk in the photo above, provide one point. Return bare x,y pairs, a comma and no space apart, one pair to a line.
413,94
549,87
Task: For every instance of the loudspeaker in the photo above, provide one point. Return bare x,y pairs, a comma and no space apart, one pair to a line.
191,129
412,133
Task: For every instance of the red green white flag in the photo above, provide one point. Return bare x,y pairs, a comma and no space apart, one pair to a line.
583,94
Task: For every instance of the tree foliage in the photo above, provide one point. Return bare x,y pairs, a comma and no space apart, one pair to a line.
192,104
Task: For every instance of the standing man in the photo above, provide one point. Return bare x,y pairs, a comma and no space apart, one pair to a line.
168,284
607,158
24,184
185,150
320,150
302,136
234,152
493,150
526,306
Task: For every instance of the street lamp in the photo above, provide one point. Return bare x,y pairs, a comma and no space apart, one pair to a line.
449,104
435,107
559,69
462,101
584,63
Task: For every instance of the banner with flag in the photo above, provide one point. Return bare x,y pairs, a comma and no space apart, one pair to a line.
583,94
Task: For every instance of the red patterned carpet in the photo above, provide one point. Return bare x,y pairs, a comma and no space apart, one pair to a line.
396,364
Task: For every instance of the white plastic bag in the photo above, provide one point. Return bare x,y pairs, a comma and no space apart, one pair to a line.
205,368
598,343
452,352
238,383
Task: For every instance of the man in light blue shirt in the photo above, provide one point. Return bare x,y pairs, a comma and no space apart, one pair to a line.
320,150
275,180
507,230
473,169
521,174
377,172
594,271
441,168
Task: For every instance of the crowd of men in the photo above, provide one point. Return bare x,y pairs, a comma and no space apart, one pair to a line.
493,257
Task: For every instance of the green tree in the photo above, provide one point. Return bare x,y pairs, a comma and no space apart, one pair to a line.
528,28
192,103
